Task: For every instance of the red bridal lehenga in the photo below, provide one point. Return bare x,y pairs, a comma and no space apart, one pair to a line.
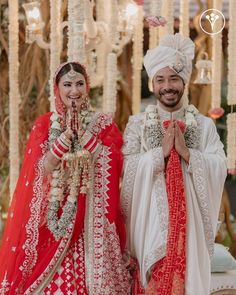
87,259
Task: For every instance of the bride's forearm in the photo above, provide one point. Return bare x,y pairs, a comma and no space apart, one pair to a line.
60,146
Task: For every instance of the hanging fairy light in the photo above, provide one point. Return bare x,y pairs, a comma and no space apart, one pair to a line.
204,66
131,9
33,15
34,29
126,20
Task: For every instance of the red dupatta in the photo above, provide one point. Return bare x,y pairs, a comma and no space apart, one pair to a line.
168,275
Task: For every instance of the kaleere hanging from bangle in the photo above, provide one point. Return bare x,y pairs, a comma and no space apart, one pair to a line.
78,167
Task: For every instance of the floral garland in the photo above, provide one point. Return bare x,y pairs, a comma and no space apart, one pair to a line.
167,11
14,93
76,33
184,18
110,84
231,98
155,10
55,44
154,131
231,143
78,165
216,111
137,61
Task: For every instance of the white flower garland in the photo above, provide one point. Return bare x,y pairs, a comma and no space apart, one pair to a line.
76,36
154,130
155,9
137,61
110,85
231,142
184,18
231,98
90,25
168,13
55,44
184,30
78,164
110,69
14,94
216,62
101,50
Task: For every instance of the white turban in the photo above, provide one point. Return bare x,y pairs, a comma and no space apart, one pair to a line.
174,51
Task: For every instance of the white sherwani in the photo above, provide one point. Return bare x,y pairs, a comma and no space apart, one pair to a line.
145,204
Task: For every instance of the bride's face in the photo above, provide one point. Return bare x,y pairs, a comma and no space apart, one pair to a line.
72,88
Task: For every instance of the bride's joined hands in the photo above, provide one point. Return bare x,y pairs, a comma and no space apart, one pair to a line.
75,124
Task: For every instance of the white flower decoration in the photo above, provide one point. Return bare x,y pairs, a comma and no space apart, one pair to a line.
189,116
56,125
190,113
55,174
54,117
55,191
152,116
151,122
191,122
191,109
55,182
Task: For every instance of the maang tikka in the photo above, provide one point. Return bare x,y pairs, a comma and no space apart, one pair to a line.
72,74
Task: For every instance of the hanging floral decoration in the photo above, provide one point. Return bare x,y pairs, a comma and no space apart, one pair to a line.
137,61
216,113
155,21
139,2
155,9
14,94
